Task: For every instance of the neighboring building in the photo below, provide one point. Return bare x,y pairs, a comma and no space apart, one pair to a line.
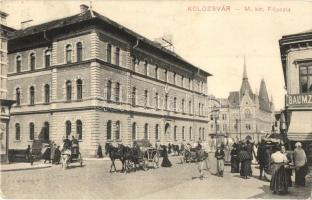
89,77
5,103
296,56
250,115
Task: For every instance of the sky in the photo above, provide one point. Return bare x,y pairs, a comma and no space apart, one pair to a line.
213,35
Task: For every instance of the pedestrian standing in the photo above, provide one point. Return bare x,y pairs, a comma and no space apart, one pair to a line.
261,157
165,162
288,170
52,155
234,160
300,159
202,158
278,182
57,155
46,153
220,161
249,146
245,160
29,155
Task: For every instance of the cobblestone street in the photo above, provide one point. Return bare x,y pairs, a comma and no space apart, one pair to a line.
93,181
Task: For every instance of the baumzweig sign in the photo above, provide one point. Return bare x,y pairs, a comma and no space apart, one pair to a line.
299,99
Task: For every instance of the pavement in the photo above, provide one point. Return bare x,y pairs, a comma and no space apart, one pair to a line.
93,181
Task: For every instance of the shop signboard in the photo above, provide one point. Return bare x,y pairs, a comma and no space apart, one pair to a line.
299,100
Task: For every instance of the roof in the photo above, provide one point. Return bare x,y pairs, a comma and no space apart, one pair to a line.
91,16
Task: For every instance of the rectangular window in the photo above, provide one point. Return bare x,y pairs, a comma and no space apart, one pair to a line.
306,78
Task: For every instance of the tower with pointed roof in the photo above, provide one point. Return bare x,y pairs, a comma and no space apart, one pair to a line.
250,113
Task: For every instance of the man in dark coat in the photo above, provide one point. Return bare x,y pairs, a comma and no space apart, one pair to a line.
249,147
261,157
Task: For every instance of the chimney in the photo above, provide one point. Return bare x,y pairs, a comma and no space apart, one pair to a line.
83,8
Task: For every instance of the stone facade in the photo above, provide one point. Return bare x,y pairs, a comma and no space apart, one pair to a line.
101,83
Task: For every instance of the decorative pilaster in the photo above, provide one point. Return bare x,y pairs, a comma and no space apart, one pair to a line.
54,54
95,45
95,80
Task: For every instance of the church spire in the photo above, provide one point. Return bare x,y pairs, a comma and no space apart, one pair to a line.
245,70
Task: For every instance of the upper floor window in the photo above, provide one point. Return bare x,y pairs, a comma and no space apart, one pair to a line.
133,94
47,93
17,131
117,92
18,63
68,90
134,131
156,71
166,75
79,51
133,63
174,78
18,96
247,113
145,67
47,58
182,81
145,98
146,131
32,95
175,133
117,56
109,130
183,106
191,133
190,83
183,133
109,53
32,58
156,100
117,131
31,131
79,129
109,91
166,101
79,89
68,53
190,107
175,104
157,132
306,79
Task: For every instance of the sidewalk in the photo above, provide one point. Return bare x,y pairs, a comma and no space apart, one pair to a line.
23,166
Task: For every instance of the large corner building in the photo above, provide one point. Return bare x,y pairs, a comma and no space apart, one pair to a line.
88,76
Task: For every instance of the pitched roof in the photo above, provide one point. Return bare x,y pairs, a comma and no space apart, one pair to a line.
92,15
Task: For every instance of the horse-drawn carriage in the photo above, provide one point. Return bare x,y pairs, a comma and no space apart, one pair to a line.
71,155
189,155
146,157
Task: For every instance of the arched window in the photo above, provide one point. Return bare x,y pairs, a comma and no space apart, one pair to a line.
133,96
146,131
145,67
68,90
79,51
117,56
18,63
156,100
117,132
32,95
17,131
183,105
175,104
32,59
79,129
109,130
47,58
175,133
68,128
183,133
156,71
145,98
134,135
46,133
68,53
157,132
167,128
47,93
117,92
166,101
31,131
191,133
79,89
18,96
109,91
109,53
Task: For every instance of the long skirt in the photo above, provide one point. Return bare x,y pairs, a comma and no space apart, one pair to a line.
245,168
220,165
301,172
278,180
234,165
166,162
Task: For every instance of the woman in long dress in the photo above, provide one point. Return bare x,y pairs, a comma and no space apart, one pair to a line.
278,181
245,160
300,159
165,162
234,160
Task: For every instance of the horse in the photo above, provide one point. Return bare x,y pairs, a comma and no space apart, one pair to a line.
114,154
129,155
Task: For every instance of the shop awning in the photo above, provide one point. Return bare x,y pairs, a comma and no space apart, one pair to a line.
300,127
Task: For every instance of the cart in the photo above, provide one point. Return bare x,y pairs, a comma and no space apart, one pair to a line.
71,156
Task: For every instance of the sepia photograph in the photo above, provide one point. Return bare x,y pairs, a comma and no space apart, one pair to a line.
156,99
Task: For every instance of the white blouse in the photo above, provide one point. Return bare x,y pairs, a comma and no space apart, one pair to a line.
278,157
